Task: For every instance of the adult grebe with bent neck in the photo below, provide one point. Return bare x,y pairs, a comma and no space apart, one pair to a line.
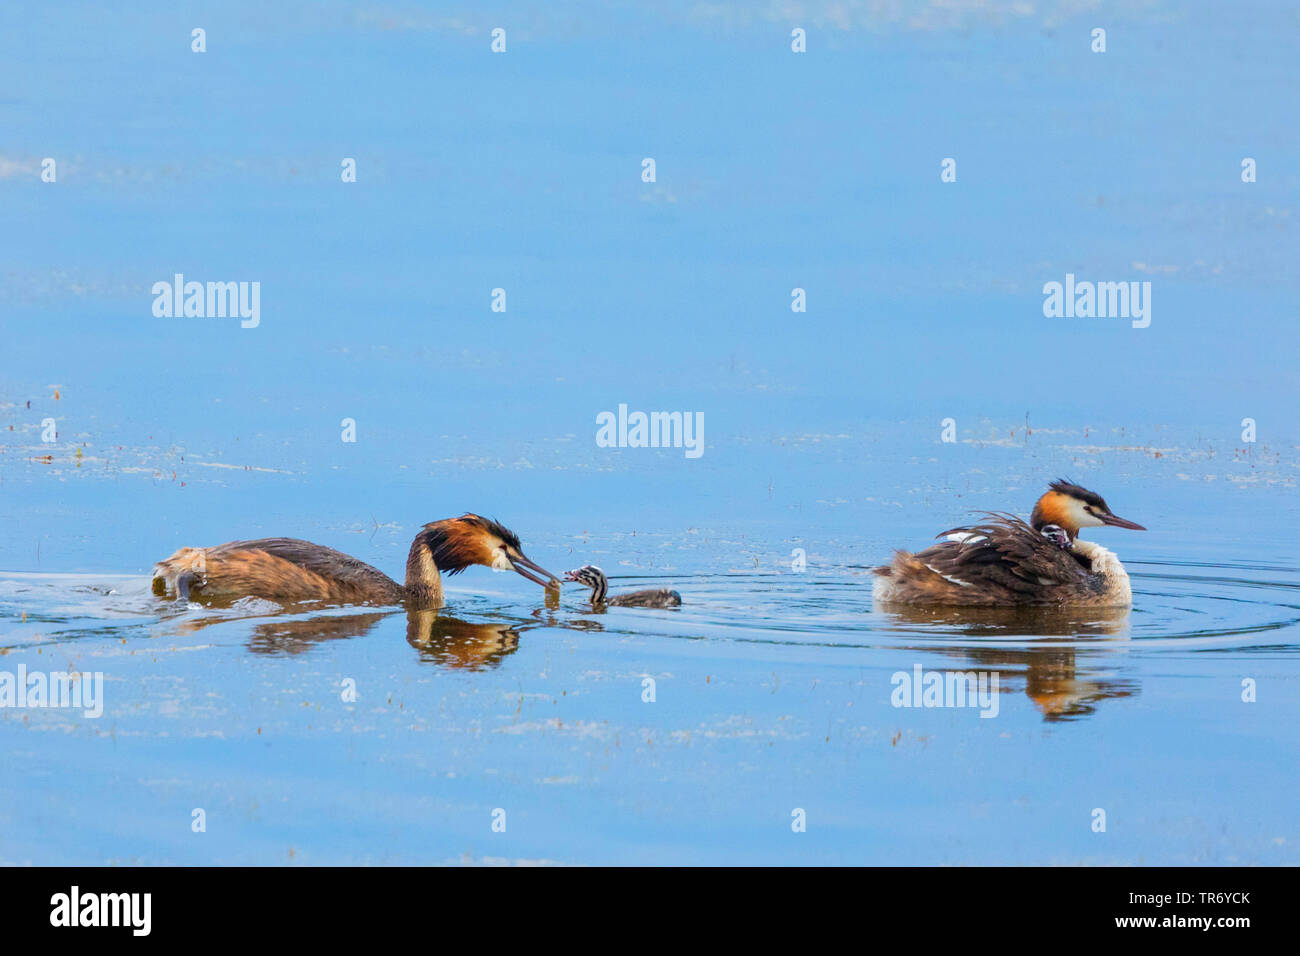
287,569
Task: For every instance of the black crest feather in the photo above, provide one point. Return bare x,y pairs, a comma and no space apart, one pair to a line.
496,528
1067,487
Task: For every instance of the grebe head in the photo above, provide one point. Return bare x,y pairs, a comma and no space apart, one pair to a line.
457,543
1068,507
1057,535
588,574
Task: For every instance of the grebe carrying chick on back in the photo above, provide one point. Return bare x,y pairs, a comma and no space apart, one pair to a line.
287,569
1006,562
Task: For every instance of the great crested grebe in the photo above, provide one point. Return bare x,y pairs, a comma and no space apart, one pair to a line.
594,578
287,569
1004,562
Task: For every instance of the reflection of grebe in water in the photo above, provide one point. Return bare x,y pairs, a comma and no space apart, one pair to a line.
462,645
287,569
439,639
294,637
1004,562
1057,678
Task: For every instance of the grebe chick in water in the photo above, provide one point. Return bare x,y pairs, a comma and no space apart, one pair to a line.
594,578
1004,562
287,569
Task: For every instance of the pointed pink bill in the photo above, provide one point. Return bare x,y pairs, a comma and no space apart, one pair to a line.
521,563
1118,522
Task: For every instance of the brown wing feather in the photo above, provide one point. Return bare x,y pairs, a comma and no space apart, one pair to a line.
282,569
1002,561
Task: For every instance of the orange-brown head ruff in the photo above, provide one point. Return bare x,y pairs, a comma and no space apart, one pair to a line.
1071,507
457,543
